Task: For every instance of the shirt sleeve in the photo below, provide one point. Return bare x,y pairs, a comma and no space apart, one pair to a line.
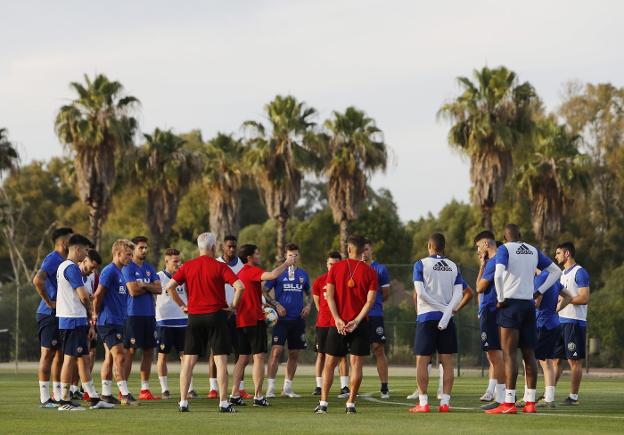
106,278
128,274
331,277
228,275
502,256
383,277
488,271
153,274
459,279
270,284
542,261
316,291
582,278
257,274
180,275
48,266
73,275
306,283
539,280
418,271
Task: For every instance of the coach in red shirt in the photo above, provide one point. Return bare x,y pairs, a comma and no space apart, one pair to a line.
351,289
207,329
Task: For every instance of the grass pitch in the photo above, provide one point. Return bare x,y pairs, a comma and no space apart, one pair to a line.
601,411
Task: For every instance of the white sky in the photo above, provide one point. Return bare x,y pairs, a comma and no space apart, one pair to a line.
212,65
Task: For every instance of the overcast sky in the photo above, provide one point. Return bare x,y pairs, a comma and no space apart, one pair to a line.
212,65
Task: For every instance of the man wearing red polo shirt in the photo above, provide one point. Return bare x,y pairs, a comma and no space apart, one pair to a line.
207,329
351,289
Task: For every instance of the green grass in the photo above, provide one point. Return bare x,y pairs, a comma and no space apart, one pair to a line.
601,410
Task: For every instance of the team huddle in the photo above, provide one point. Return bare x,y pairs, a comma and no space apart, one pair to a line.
209,307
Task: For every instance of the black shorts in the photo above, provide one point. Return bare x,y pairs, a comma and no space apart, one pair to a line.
252,340
111,335
291,331
231,324
355,343
377,332
207,333
48,331
93,344
75,342
140,332
169,337
519,314
490,339
321,339
428,339
547,340
571,342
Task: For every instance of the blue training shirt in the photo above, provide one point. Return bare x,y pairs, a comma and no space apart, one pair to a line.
546,315
383,279
289,293
142,305
74,277
50,265
115,305
487,301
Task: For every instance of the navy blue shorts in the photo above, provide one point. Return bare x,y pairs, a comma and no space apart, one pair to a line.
519,314
111,335
140,332
75,341
48,331
354,343
547,340
490,339
571,343
429,339
291,331
169,337
377,330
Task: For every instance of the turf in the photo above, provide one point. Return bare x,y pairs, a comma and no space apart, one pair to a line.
601,411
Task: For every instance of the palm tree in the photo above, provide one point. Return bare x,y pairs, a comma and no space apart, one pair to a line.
223,178
551,176
165,168
492,120
355,149
277,159
97,127
8,154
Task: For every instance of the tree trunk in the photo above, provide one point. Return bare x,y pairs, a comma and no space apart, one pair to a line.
95,226
281,237
344,235
486,217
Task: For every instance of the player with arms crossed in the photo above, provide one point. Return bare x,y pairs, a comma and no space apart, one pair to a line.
516,263
350,289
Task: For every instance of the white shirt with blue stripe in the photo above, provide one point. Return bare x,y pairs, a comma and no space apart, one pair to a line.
69,308
572,280
438,277
168,313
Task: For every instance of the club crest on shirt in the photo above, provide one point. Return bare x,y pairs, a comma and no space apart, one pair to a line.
301,279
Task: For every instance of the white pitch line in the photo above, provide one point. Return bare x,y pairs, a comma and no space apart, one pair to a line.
370,398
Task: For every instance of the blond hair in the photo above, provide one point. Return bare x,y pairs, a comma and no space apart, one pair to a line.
122,245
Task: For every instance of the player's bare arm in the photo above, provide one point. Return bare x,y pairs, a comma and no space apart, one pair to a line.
269,296
174,295
98,297
466,297
275,273
239,288
385,292
582,298
39,283
370,301
154,288
85,299
331,303
135,288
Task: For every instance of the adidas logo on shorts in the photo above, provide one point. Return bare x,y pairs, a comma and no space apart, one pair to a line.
442,266
524,250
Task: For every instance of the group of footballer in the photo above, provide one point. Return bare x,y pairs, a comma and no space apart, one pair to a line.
209,306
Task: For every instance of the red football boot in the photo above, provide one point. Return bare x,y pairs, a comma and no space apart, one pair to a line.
245,395
419,409
213,394
443,408
503,408
530,408
147,395
85,396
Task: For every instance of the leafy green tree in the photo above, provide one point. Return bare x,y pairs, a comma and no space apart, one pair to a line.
279,157
8,154
97,126
492,119
355,149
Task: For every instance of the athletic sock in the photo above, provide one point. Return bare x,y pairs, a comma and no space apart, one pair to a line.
323,403
510,396
445,399
530,395
271,384
350,405
107,387
384,387
144,385
525,396
123,387
241,385
57,390
224,403
258,398
429,369
183,403
549,393
441,379
491,386
287,384
44,391
191,386
499,393
73,388
319,381
213,384
164,384
90,389
65,391
573,396
423,399
344,382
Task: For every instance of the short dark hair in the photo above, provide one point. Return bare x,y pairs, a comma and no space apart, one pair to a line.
499,243
139,239
230,238
61,232
513,230
79,239
94,255
358,242
245,251
171,251
487,234
438,241
568,246
291,247
335,255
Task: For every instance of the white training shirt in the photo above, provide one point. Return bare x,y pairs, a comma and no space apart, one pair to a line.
168,313
439,276
68,304
572,280
519,261
229,290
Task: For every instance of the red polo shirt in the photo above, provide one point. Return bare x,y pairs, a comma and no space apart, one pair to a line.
351,300
249,310
324,318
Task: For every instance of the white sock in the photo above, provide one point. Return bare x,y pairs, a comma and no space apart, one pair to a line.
224,403
44,391
90,389
445,399
241,385
525,396
144,385
271,384
350,405
191,386
258,398
344,381
429,369
491,386
123,387
213,384
183,403
287,384
65,391
164,383
319,381
441,379
573,396
423,399
57,390
323,403
549,393
510,396
499,393
107,387
73,388
530,395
